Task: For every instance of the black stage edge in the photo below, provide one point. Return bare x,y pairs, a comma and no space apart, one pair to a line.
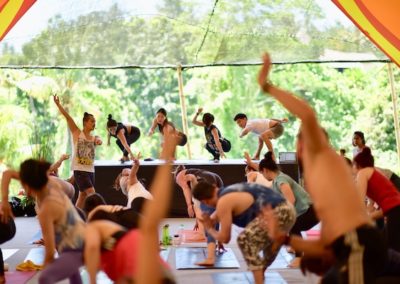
231,171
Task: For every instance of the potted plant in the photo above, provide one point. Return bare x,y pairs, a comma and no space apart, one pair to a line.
28,205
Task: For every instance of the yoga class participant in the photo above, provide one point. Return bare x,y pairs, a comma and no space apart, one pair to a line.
84,152
126,135
216,144
348,240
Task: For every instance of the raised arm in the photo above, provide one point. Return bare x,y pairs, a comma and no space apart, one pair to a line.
314,138
195,121
71,123
5,184
249,162
54,167
92,251
152,127
153,212
133,174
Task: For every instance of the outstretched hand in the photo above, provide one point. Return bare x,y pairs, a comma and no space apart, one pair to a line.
264,72
56,99
247,157
200,110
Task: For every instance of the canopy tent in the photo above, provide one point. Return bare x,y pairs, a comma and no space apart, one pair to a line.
192,33
11,12
378,20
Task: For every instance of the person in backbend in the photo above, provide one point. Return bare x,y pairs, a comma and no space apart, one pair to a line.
382,191
266,129
348,239
165,126
295,194
252,173
131,187
84,152
187,179
126,135
62,227
358,142
133,256
241,204
216,144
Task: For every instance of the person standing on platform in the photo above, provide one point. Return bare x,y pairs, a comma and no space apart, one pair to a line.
187,179
216,144
165,126
241,204
84,152
126,135
265,128
348,240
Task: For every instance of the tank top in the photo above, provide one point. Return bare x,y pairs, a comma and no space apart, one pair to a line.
84,151
302,198
206,176
208,133
120,126
69,232
261,180
262,196
383,192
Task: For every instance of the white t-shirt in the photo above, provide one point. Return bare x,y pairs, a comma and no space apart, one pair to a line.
261,180
258,125
134,191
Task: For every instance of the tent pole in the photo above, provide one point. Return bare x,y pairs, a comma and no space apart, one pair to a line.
395,116
183,109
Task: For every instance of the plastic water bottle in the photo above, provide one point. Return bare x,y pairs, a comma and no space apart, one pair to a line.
165,235
181,233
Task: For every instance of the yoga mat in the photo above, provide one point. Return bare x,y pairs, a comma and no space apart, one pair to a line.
313,234
245,278
190,236
8,252
36,255
18,277
186,258
36,237
164,253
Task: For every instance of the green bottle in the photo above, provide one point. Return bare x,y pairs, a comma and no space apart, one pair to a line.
165,235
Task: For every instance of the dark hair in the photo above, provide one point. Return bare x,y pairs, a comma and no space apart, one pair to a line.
92,201
86,116
34,173
208,119
268,163
359,134
177,170
239,116
364,159
203,190
111,122
162,111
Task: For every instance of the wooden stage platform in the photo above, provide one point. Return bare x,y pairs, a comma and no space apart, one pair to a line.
230,170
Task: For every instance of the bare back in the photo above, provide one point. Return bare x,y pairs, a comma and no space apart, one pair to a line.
334,194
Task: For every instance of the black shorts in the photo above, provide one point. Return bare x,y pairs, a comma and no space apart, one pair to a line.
84,180
360,257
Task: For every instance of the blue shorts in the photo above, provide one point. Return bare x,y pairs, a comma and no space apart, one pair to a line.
84,180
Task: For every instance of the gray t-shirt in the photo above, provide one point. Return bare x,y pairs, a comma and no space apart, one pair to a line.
302,199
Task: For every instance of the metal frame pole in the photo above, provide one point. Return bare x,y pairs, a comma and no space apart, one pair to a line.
395,116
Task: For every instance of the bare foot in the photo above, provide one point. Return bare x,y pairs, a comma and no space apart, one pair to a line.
206,262
295,263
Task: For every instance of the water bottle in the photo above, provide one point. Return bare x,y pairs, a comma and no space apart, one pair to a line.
165,235
181,233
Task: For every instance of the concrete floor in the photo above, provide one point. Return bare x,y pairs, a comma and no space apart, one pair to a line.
28,227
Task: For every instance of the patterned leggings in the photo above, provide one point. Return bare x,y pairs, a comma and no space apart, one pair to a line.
254,238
